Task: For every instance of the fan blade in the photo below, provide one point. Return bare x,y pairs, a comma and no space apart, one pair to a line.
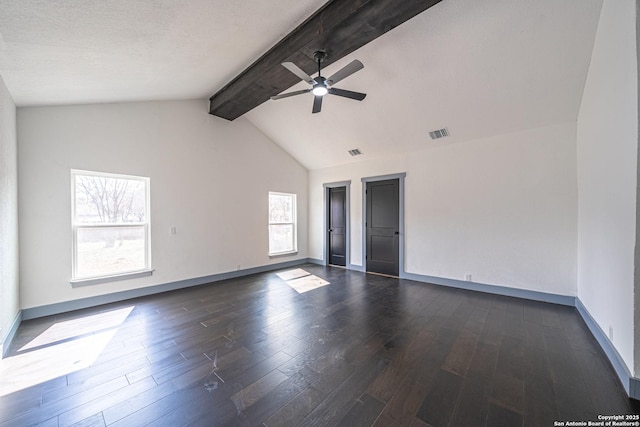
298,72
346,71
317,104
347,94
286,95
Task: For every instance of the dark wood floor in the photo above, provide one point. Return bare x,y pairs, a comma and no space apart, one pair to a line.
365,350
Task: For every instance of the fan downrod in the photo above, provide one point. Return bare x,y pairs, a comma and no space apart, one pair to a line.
319,56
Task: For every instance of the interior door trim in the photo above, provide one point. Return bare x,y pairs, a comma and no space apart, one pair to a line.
400,177
325,219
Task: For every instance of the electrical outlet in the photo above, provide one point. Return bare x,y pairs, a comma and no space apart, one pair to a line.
172,230
467,277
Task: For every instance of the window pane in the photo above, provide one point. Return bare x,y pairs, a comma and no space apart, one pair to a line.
101,199
281,238
280,208
105,251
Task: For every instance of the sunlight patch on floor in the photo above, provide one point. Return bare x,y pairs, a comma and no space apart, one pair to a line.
302,281
292,274
64,348
76,327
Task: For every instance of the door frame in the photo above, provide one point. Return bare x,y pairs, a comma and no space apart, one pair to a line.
401,238
325,221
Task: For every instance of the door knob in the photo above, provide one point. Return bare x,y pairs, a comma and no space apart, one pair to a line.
397,232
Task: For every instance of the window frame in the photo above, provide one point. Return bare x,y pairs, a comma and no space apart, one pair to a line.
294,224
75,226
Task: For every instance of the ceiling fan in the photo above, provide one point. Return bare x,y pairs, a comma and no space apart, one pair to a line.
321,86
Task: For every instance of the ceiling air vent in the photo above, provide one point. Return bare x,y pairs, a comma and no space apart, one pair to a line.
440,133
355,152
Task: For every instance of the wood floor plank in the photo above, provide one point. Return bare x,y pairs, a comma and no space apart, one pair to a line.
437,408
404,404
67,403
503,417
511,357
385,421
574,404
364,412
265,407
150,369
387,382
433,359
508,392
117,411
100,372
332,409
180,368
260,369
600,372
51,422
178,400
329,380
208,407
461,352
257,390
84,411
472,407
95,420
562,360
418,423
24,401
540,405
297,408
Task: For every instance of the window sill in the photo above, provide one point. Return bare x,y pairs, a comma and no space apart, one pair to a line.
105,279
283,254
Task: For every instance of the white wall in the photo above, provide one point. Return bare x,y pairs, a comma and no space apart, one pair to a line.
209,178
607,177
9,291
502,209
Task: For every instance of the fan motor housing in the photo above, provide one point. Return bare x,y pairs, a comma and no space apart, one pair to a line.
319,55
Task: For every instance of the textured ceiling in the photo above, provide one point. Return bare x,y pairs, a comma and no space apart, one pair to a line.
479,68
85,51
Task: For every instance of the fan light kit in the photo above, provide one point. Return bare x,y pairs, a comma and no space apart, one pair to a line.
321,86
319,90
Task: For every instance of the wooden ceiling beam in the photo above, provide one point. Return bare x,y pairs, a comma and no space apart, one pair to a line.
338,28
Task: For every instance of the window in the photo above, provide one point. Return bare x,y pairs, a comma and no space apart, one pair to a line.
110,224
282,223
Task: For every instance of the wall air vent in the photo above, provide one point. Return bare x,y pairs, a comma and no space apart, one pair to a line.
440,133
355,152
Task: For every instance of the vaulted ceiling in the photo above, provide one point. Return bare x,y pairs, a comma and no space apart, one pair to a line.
333,31
479,68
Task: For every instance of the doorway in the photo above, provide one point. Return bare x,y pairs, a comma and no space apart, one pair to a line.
336,221
337,226
383,224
